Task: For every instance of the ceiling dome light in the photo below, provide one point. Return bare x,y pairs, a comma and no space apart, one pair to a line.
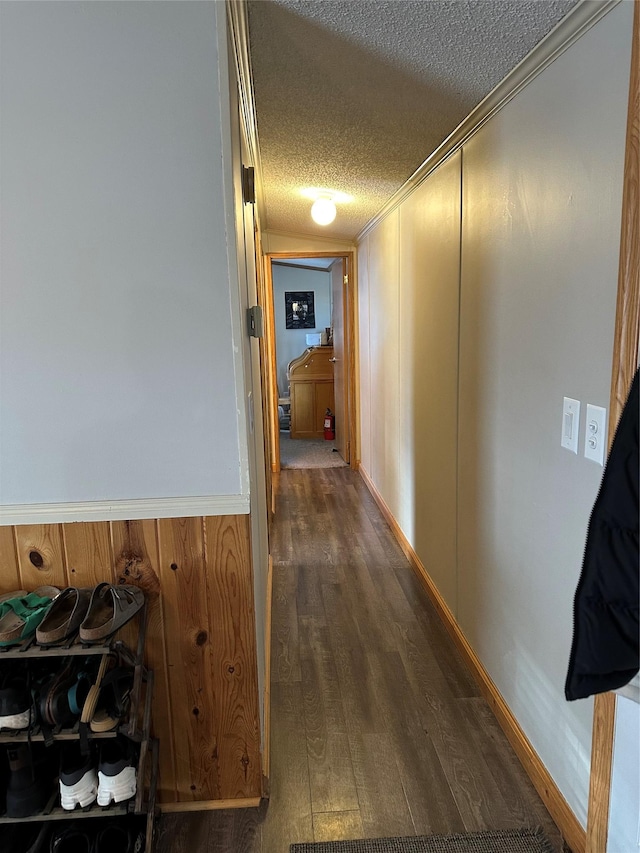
323,211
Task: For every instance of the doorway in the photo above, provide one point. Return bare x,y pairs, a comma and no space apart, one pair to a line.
321,328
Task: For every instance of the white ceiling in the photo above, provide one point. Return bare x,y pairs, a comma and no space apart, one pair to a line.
353,95
311,263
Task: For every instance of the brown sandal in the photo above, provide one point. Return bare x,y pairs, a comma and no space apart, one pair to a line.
110,608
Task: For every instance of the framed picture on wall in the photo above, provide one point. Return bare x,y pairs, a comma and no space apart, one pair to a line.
300,309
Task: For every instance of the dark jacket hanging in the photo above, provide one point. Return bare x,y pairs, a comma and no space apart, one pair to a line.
604,652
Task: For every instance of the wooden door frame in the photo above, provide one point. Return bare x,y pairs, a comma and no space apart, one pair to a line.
350,342
625,362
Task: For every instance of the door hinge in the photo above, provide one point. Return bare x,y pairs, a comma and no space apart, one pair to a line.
248,185
345,279
255,321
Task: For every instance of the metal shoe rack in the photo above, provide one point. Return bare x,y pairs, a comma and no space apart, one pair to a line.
136,728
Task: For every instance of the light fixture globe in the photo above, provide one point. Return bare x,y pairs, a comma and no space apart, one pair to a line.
323,211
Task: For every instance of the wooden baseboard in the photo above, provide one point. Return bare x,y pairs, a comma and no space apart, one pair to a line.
210,805
266,751
550,794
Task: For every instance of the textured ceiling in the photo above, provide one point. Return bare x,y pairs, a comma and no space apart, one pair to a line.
355,95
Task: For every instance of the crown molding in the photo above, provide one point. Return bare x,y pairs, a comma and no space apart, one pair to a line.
59,513
238,22
571,28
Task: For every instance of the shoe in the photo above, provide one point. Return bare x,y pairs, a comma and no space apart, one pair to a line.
15,700
78,777
71,839
116,836
91,702
110,608
113,703
60,696
19,617
17,593
31,776
64,616
4,780
116,772
25,838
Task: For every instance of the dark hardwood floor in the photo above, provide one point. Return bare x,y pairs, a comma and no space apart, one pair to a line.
377,727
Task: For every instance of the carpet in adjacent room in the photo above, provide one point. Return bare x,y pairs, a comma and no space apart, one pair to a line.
308,453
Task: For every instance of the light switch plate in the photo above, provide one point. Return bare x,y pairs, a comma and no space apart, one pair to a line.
595,433
570,424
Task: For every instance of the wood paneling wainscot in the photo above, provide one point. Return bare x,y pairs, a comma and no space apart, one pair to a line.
197,577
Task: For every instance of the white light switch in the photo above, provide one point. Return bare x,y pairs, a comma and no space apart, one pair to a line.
570,424
595,435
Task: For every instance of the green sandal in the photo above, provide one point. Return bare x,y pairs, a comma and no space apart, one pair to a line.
19,617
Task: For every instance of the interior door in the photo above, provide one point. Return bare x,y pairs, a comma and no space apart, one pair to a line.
340,378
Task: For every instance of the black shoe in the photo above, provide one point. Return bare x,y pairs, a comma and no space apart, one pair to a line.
114,836
25,838
4,780
31,776
71,839
15,700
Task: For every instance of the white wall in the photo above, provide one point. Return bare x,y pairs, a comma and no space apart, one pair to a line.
119,379
429,306
290,343
542,191
541,233
624,817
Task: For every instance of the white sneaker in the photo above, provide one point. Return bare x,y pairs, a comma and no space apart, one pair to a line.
15,721
78,777
116,788
81,793
116,772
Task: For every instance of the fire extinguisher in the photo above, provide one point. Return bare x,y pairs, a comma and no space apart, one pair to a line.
329,426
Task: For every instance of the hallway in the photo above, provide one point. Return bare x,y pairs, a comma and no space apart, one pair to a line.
377,728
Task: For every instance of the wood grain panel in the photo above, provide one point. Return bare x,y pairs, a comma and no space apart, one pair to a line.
187,623
88,557
136,561
205,708
290,816
40,556
327,826
229,585
9,572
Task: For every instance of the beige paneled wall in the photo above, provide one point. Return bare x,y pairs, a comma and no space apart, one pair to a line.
408,297
541,201
364,355
429,256
384,352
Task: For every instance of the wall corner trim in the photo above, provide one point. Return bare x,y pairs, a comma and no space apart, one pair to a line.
124,510
572,27
238,24
266,746
210,805
568,824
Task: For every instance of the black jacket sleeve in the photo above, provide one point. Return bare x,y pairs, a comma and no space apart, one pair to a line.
604,652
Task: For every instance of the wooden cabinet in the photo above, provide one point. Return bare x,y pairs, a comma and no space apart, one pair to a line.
311,389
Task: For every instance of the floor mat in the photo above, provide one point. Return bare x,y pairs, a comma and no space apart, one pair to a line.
500,841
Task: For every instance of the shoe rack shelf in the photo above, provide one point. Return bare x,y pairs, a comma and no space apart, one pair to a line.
136,728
